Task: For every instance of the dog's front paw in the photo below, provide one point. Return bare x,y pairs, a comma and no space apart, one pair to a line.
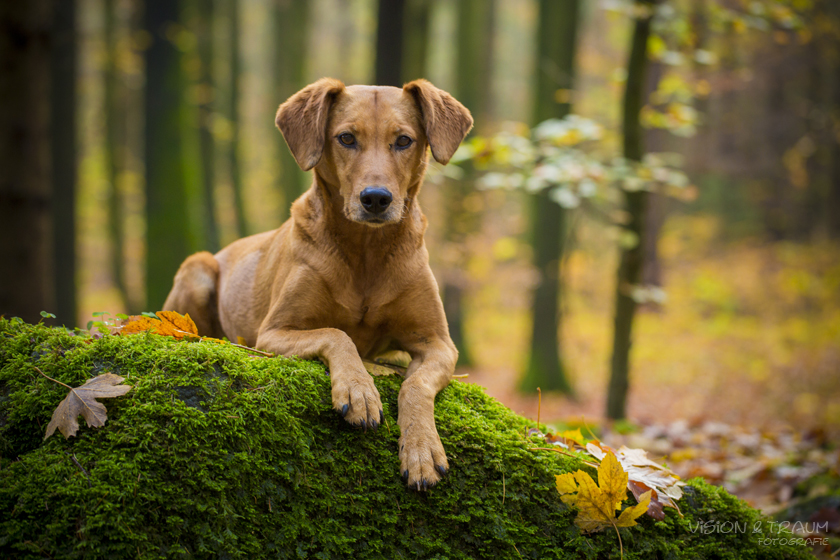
422,458
356,398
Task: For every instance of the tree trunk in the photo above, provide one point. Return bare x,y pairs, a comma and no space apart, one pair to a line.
233,116
167,230
207,144
416,39
290,26
64,165
472,88
115,147
833,198
656,140
556,45
630,266
25,283
389,43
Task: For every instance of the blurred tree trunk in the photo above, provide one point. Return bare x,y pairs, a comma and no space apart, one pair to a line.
207,144
699,153
290,25
656,140
833,198
389,43
25,283
233,116
167,229
556,44
630,266
473,67
115,147
64,164
415,39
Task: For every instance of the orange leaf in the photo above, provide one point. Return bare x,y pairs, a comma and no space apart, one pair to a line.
140,323
176,325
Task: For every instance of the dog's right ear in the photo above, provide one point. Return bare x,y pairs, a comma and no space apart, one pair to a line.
303,120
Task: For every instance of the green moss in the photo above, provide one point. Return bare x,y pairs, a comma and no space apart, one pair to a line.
218,454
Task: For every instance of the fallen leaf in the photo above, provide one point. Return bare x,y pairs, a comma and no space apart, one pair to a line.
664,483
378,369
399,358
568,439
176,325
139,323
655,509
827,518
82,400
597,504
169,323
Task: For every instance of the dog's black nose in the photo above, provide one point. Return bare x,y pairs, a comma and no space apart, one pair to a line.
376,199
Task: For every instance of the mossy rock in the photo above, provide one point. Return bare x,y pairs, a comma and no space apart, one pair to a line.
218,454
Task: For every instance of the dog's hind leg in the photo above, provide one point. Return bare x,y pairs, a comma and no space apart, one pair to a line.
195,291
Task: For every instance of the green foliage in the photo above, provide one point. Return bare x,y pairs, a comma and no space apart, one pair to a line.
216,453
568,158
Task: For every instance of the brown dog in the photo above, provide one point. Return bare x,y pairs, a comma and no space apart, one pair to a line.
347,276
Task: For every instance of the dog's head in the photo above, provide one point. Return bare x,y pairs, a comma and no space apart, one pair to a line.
370,141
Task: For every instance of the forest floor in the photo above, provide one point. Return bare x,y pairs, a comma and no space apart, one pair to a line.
735,378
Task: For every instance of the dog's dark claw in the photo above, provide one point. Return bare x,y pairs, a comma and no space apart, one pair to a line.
381,417
405,475
344,410
441,470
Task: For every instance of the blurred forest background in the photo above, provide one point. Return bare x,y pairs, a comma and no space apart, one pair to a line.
686,195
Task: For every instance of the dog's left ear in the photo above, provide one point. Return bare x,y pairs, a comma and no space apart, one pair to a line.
447,122
303,120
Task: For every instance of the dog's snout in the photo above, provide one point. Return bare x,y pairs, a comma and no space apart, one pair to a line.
376,199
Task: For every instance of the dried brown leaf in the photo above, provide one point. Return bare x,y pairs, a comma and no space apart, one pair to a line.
82,400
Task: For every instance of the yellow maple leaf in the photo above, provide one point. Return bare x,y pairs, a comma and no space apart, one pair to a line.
597,504
574,435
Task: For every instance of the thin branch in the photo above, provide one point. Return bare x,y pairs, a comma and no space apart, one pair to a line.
81,468
593,465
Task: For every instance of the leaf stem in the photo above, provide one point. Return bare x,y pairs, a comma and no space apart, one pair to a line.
620,545
51,379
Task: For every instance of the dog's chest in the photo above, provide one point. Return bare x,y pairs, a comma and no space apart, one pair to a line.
363,319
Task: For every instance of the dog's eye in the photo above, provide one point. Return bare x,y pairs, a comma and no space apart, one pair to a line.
347,139
403,142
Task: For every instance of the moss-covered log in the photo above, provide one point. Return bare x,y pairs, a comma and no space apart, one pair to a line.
217,454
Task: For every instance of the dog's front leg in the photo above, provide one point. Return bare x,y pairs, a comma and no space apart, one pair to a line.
354,395
422,457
